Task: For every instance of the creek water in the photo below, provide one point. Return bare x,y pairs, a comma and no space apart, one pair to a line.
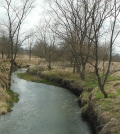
43,109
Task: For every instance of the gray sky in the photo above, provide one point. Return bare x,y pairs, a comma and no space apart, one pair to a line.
34,17
37,15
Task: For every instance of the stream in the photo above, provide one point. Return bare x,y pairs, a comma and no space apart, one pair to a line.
43,109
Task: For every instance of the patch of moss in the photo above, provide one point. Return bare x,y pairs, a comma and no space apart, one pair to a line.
14,98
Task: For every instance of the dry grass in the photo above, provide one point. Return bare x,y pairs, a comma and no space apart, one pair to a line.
24,60
106,110
4,97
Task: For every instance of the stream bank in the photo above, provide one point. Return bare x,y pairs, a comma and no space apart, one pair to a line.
7,96
91,104
44,109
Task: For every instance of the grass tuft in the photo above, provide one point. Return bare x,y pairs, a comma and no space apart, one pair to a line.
14,98
99,95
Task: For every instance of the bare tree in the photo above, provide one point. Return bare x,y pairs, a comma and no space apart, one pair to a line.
47,43
84,25
101,12
16,12
31,43
3,43
73,22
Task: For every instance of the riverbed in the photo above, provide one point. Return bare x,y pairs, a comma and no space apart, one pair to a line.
43,109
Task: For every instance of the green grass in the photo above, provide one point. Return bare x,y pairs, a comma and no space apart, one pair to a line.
33,78
90,82
28,77
24,76
64,75
105,105
112,78
53,75
111,95
108,105
85,94
14,98
47,82
118,91
99,95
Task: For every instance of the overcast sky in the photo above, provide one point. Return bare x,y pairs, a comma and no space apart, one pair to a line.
36,15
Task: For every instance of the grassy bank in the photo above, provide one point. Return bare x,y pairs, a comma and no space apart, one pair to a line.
34,78
7,96
13,98
103,112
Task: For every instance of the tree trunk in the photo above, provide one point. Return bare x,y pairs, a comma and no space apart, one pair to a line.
30,56
11,59
82,72
8,56
10,73
11,67
2,55
74,67
78,67
49,66
9,52
104,92
102,86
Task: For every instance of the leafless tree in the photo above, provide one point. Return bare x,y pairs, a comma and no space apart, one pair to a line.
86,24
30,43
73,22
3,43
47,43
16,13
104,12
